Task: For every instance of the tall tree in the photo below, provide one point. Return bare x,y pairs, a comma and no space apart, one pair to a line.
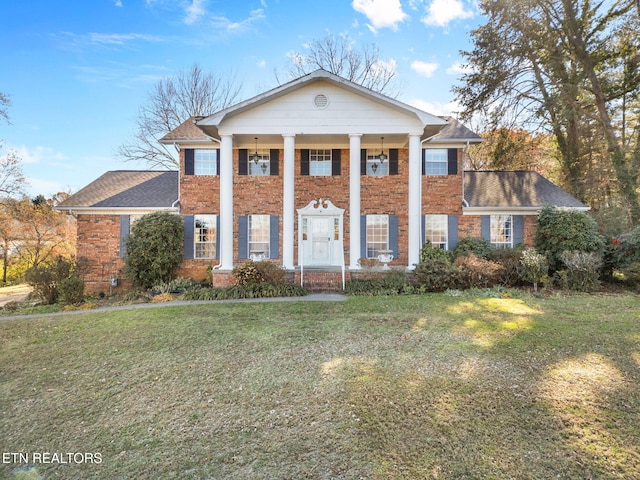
12,179
337,55
567,66
172,101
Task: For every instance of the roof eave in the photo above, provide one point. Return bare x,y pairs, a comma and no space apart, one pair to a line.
513,210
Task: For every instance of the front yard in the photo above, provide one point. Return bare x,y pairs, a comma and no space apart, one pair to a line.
429,386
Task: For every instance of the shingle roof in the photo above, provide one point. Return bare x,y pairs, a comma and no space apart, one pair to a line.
455,131
185,132
514,189
127,189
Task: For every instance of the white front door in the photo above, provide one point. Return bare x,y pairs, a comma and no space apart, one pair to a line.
320,234
321,240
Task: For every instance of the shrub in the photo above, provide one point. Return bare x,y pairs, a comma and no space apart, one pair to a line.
566,230
476,272
583,270
255,290
626,248
390,283
428,252
437,275
533,267
509,258
259,272
154,249
480,247
45,279
176,285
632,274
71,290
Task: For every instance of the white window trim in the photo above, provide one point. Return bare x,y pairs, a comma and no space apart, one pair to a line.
375,252
210,218
256,169
434,162
255,254
199,164
446,229
321,164
494,227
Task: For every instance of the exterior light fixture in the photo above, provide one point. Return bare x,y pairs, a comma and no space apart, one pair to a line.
382,157
256,157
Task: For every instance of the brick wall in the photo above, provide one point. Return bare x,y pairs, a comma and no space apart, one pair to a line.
99,243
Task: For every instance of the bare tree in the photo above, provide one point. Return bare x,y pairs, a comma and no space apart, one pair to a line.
338,56
172,101
12,180
4,104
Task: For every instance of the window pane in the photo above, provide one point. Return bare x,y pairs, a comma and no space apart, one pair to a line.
260,168
320,162
436,230
205,236
376,167
435,161
501,231
205,162
259,235
377,234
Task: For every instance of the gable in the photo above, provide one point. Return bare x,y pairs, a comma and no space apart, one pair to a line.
321,108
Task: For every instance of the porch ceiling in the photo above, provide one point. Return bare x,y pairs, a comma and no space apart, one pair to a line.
315,140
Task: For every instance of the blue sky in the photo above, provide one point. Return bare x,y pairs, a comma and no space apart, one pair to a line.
77,71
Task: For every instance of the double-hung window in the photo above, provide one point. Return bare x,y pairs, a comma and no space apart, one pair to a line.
319,162
377,234
436,231
502,231
376,167
259,236
435,161
205,162
259,164
204,236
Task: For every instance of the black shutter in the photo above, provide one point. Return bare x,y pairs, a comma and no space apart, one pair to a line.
274,162
393,235
485,227
125,222
518,229
452,163
304,161
243,236
393,161
452,228
189,161
217,161
335,161
424,169
363,161
189,230
274,239
243,161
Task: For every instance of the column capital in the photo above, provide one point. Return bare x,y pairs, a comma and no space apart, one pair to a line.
355,135
286,135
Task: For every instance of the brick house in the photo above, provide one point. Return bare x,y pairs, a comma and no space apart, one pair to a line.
314,175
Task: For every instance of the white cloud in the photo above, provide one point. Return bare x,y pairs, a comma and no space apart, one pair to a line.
425,69
458,69
441,12
195,10
118,3
435,108
38,154
225,24
38,186
381,13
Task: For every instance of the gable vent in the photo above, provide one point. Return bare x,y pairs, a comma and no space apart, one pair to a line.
321,101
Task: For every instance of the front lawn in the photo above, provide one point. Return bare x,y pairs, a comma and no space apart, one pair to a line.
411,387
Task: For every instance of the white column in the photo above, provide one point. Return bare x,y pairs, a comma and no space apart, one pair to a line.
415,201
354,200
226,202
288,201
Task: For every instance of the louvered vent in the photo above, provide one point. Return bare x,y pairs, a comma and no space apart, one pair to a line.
321,101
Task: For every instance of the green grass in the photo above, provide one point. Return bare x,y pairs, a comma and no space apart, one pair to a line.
411,387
